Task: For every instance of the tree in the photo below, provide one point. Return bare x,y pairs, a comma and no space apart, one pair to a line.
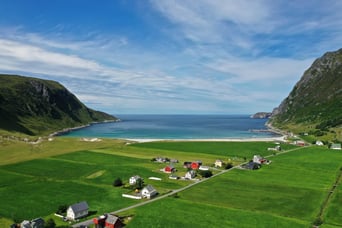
117,182
62,209
228,166
50,223
205,173
139,184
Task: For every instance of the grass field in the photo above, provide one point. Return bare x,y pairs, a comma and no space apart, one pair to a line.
286,193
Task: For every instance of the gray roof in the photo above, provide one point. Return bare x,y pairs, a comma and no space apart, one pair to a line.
112,219
78,207
149,188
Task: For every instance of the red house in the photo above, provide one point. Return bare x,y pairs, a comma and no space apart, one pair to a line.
113,221
108,221
169,169
195,165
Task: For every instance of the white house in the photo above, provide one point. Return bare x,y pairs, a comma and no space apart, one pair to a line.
148,192
190,174
218,163
133,180
319,143
77,210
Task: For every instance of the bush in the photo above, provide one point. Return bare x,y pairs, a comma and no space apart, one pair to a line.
205,173
62,209
117,182
318,221
228,166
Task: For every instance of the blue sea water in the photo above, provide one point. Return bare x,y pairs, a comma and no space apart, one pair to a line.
177,127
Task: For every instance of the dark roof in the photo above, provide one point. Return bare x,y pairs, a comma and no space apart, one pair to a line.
112,219
82,206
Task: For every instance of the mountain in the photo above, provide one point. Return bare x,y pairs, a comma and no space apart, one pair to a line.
315,102
35,106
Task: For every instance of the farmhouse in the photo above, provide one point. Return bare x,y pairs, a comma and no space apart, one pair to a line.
259,160
187,165
335,146
133,180
35,223
169,169
319,143
77,210
251,165
148,192
190,174
218,163
195,165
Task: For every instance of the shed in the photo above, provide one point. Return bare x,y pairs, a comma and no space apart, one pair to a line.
335,146
77,210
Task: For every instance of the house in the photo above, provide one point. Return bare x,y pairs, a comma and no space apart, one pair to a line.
107,221
258,159
37,223
218,163
335,146
195,165
148,192
251,165
173,160
299,143
187,165
133,180
190,174
161,159
25,224
169,169
113,221
77,210
34,223
319,143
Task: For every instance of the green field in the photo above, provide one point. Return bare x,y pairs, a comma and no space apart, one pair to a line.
287,193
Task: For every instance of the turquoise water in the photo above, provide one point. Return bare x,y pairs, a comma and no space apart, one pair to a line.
177,127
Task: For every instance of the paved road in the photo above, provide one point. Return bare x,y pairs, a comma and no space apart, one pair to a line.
90,221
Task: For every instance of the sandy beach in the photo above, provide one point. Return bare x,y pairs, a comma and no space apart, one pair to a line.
269,139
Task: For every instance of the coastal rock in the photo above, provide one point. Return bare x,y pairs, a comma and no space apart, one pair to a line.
261,115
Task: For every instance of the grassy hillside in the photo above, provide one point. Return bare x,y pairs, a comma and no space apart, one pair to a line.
287,193
35,107
315,103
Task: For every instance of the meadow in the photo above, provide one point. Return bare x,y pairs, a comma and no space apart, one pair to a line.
287,193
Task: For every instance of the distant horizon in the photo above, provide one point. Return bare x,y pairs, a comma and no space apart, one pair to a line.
150,56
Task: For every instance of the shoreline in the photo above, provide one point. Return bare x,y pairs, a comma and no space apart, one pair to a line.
266,139
66,130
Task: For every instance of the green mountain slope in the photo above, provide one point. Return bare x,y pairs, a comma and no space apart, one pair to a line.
35,106
316,100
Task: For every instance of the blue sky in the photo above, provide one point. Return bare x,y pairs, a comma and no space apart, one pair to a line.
169,56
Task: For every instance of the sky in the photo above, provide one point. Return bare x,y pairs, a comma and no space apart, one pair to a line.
169,56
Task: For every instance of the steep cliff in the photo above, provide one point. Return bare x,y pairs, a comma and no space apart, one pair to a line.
34,106
316,99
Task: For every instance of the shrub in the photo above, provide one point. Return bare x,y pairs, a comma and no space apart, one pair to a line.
117,182
62,209
228,166
205,173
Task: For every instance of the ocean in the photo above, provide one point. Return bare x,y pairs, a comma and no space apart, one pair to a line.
177,127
